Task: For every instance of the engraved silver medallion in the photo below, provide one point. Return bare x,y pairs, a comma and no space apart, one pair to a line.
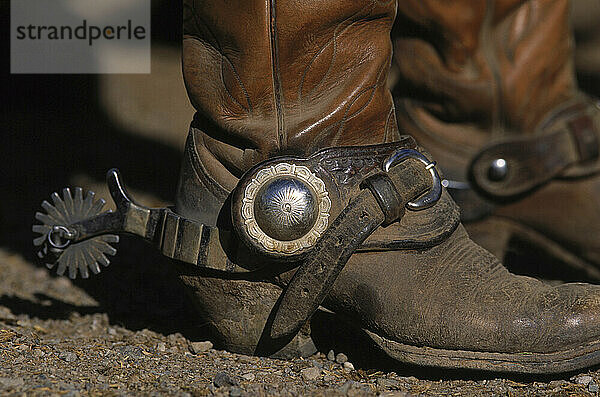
285,208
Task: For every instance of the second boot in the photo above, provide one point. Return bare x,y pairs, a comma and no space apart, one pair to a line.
488,87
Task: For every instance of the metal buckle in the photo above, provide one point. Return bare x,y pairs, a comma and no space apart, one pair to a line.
434,193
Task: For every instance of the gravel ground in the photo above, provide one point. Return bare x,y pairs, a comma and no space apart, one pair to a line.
59,337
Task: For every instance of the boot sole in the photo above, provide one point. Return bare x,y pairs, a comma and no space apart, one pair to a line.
503,236
524,363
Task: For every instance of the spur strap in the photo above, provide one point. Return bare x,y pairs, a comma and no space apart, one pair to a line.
383,200
512,168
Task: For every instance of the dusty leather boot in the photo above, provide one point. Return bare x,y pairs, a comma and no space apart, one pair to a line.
296,158
488,88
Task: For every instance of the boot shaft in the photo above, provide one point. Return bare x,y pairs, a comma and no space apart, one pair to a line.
489,89
500,66
273,77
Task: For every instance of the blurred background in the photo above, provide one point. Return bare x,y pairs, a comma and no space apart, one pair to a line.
68,130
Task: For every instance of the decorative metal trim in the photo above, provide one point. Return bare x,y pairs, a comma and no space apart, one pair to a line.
263,177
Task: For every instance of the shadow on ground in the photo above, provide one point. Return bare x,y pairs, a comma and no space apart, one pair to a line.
53,128
55,131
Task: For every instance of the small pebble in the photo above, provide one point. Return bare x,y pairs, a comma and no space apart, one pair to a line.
384,383
307,349
341,358
235,392
409,379
161,347
224,379
68,356
11,383
245,359
310,373
346,386
174,337
200,347
348,366
329,378
593,387
558,383
583,380
249,376
331,355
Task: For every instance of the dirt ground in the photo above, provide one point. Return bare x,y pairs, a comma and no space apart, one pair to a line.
59,337
131,330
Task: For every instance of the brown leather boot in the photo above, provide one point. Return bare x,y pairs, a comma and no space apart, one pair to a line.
276,78
488,88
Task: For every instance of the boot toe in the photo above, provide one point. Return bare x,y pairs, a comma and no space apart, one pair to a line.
576,316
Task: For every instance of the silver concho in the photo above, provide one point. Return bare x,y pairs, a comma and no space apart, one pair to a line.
285,208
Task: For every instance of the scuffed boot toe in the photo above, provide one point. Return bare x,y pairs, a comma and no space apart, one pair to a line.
456,306
576,313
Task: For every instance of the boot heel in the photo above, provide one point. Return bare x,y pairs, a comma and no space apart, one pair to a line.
237,311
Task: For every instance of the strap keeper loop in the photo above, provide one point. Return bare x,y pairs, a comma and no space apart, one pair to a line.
389,199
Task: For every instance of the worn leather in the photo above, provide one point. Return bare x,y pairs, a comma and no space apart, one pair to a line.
343,169
490,67
569,149
458,296
260,96
278,77
499,81
454,295
382,201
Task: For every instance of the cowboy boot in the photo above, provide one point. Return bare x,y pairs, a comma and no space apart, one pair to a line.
489,89
291,99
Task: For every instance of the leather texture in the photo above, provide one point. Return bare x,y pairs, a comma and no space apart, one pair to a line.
458,296
499,83
377,204
261,96
281,77
491,67
569,150
343,169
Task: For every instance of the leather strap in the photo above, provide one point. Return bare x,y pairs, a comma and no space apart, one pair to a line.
534,160
193,242
385,196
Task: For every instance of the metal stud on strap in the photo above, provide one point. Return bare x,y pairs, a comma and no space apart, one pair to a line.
434,193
